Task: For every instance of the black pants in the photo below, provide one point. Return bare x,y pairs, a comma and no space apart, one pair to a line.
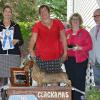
76,73
3,81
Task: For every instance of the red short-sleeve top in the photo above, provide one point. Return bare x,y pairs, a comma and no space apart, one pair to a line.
48,44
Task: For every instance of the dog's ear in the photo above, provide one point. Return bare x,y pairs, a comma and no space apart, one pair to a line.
28,65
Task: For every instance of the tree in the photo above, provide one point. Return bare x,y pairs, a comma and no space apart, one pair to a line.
58,7
27,10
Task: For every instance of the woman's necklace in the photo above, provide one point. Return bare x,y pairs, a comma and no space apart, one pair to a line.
48,23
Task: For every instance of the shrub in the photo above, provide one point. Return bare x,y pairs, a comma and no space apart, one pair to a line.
26,33
93,94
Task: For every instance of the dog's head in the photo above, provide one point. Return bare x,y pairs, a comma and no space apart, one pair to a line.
27,63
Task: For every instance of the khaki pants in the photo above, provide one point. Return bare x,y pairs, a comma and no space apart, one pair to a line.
96,70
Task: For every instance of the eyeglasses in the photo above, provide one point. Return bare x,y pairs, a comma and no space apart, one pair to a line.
75,19
96,15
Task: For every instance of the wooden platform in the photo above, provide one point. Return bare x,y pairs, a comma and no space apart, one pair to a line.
42,93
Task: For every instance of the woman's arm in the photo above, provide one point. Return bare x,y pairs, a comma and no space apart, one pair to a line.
64,43
32,44
18,39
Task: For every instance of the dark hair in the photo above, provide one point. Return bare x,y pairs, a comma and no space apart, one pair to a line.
44,6
7,6
79,17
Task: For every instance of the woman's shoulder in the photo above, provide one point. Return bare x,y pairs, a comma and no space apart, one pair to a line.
36,23
58,23
56,20
14,24
84,30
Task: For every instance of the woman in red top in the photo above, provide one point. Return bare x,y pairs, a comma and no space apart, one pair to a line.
49,39
79,45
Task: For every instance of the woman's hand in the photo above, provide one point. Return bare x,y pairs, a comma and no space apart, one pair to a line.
15,41
64,56
77,47
31,52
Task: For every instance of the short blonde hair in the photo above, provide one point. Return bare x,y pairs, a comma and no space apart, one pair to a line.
79,17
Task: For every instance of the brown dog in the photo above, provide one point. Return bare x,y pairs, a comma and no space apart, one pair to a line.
43,78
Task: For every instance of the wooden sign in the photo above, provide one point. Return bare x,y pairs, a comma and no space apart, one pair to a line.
42,93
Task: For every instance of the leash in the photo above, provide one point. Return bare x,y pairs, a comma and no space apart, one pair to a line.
75,89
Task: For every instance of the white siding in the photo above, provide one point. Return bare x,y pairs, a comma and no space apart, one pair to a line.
69,8
86,9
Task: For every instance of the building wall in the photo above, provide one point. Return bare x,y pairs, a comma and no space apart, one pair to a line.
69,8
85,8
